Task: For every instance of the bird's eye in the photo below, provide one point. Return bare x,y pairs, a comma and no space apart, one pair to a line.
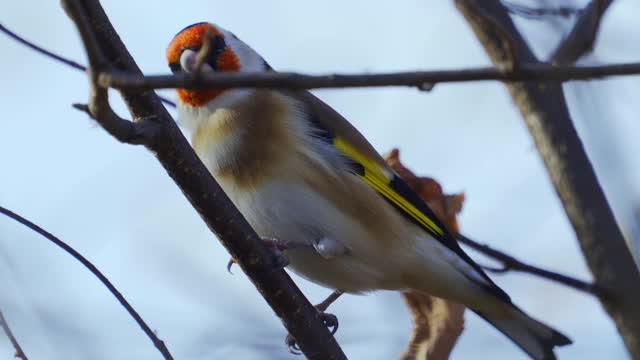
187,57
175,67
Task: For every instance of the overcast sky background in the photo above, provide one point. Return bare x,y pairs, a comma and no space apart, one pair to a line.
116,205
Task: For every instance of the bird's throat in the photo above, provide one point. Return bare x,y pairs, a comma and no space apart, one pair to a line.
198,97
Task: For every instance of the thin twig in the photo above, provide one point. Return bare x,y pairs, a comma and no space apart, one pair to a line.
141,132
42,50
16,346
534,13
39,49
511,263
583,35
539,72
534,72
159,344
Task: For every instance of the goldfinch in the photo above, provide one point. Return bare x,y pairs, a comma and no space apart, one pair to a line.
302,174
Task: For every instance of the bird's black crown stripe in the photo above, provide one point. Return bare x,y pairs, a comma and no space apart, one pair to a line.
192,25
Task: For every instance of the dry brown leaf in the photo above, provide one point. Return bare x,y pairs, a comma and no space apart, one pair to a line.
437,323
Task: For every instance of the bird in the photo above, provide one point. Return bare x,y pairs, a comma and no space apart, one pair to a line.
311,185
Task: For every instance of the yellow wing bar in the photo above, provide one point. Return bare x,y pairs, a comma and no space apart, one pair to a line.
381,180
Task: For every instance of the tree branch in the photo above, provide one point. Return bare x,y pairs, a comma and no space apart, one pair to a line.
50,54
159,344
583,35
99,108
176,155
41,50
510,263
526,72
16,346
545,112
423,80
125,131
535,13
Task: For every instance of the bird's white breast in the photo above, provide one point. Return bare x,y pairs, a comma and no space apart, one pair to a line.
295,212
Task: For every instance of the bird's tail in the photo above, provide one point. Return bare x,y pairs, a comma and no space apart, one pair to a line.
532,336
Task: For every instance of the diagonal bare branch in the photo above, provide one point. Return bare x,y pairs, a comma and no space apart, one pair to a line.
546,114
510,263
50,54
140,132
12,338
125,131
41,50
159,344
583,35
492,32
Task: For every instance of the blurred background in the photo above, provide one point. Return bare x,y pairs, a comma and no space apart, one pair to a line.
116,205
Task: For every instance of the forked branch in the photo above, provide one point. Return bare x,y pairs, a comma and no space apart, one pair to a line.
547,117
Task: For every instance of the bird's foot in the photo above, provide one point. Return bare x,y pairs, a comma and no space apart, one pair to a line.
277,246
280,261
326,247
329,320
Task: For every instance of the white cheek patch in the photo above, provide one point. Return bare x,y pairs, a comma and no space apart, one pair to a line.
249,59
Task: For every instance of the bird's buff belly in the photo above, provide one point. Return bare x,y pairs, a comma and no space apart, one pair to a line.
344,273
293,213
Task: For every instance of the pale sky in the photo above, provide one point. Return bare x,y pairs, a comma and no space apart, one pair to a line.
116,205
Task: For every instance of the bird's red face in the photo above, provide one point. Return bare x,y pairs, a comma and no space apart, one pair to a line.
181,56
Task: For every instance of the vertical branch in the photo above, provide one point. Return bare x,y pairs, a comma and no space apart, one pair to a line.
546,115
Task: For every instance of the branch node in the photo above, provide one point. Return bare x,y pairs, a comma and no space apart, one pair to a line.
141,132
426,86
497,269
82,107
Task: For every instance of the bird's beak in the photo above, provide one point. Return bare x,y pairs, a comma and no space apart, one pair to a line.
188,61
